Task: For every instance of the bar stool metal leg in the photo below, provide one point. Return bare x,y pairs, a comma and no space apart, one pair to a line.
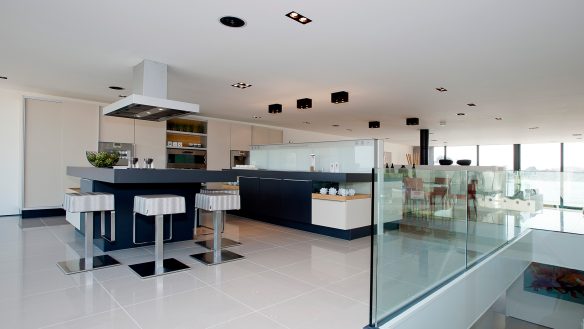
89,262
217,256
160,265
225,242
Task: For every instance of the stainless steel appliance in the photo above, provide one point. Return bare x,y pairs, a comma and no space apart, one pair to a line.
186,159
126,150
239,158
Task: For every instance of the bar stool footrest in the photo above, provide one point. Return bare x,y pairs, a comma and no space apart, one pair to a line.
78,265
225,243
148,269
214,258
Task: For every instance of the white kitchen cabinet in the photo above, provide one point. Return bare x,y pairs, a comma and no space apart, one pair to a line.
57,134
218,145
240,137
264,135
343,215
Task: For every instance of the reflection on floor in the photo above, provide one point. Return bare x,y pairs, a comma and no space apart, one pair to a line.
289,279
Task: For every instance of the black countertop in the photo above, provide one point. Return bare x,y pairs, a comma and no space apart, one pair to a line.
151,176
304,175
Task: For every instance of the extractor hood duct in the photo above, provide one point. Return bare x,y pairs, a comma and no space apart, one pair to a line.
148,102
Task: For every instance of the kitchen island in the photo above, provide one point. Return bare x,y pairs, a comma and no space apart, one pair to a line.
124,184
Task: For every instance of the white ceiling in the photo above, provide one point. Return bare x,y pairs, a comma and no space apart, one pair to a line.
522,60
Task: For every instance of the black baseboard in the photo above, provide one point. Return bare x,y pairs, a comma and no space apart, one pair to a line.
36,213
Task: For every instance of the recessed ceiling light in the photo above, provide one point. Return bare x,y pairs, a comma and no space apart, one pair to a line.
579,138
3,78
257,117
348,129
299,18
441,89
116,88
122,96
434,140
533,128
576,134
306,122
336,125
241,85
275,108
498,119
304,103
460,114
443,123
232,21
471,104
445,142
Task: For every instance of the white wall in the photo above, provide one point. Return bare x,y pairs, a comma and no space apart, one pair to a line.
397,153
11,107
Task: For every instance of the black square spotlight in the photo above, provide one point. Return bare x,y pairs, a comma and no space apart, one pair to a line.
275,108
339,97
412,121
304,103
374,124
241,85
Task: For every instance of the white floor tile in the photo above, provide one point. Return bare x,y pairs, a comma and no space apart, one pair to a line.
319,309
195,309
116,319
133,289
225,272
54,307
253,320
264,289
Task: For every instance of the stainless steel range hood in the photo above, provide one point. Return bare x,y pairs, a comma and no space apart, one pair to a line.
148,102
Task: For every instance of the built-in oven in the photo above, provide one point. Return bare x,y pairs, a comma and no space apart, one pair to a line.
186,159
239,158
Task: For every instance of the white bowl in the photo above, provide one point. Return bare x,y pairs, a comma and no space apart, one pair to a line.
323,190
332,191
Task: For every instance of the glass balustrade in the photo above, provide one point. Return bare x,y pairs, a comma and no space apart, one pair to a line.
432,225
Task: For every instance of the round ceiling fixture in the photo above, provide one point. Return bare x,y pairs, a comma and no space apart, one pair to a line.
116,88
232,21
460,114
3,78
336,125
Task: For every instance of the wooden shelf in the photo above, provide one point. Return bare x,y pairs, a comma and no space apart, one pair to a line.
175,132
187,148
339,197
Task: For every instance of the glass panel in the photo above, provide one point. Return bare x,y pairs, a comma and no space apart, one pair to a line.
462,153
432,225
351,156
496,155
421,234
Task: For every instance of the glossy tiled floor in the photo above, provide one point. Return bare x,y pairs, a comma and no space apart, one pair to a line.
290,279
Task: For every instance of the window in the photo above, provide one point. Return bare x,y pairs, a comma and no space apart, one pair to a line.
438,154
496,155
540,166
462,153
573,193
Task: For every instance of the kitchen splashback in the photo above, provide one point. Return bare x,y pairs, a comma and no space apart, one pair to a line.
352,156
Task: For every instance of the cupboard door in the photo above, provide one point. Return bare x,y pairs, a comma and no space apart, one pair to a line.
269,206
249,195
240,137
296,200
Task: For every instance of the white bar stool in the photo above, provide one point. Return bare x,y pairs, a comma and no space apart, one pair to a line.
218,203
86,204
225,242
158,206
